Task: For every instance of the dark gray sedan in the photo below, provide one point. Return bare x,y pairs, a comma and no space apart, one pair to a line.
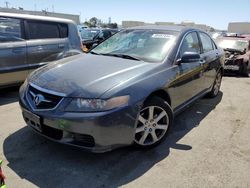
125,91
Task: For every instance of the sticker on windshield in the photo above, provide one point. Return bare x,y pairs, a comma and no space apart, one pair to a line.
162,36
93,31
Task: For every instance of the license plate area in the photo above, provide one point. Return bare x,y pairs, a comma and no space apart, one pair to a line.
232,67
32,120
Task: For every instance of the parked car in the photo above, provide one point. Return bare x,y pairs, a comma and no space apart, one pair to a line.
124,91
245,35
94,36
81,27
215,35
237,50
28,42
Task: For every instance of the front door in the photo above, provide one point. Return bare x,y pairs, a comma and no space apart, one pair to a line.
190,75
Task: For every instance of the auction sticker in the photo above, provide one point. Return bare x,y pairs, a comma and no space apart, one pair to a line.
162,36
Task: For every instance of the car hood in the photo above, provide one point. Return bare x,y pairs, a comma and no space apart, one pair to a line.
87,75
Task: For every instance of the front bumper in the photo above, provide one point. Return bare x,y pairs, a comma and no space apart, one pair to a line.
96,132
235,67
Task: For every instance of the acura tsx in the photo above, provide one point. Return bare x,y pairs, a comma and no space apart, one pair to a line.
124,91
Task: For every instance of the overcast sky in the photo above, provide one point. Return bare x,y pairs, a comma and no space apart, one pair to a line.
214,13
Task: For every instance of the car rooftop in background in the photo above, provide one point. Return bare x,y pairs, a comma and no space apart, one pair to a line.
35,17
162,27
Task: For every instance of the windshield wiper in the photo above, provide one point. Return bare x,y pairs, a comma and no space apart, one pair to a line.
125,56
94,53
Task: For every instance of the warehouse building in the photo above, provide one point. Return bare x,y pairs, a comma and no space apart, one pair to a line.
126,24
239,27
75,18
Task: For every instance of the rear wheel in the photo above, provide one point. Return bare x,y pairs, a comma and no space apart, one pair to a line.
153,123
216,86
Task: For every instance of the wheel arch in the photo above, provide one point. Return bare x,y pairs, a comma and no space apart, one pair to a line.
221,70
162,94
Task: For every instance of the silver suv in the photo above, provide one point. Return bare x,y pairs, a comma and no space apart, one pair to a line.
28,42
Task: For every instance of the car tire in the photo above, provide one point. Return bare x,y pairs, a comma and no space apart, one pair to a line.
216,86
244,70
153,123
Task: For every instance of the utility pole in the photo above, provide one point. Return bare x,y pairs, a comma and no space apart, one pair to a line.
7,4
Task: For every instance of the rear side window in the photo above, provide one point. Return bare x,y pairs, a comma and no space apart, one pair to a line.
43,30
10,30
63,30
206,42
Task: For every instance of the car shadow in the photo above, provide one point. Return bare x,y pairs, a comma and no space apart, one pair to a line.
234,75
9,95
48,164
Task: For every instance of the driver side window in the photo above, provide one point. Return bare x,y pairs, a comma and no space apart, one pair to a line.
190,44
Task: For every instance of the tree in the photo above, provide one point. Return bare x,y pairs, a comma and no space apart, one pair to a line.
93,21
111,25
87,24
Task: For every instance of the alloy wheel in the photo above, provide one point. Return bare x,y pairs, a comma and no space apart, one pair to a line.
217,84
152,124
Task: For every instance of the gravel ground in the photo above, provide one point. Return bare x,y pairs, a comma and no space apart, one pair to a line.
209,146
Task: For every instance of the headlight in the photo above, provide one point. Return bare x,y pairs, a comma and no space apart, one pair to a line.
96,105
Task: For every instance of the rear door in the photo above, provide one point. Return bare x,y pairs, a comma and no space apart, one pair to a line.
47,41
13,66
211,60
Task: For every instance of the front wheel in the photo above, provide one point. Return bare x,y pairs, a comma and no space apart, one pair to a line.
153,123
216,86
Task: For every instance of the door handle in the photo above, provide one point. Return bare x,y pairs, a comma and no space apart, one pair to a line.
17,50
39,48
61,46
217,55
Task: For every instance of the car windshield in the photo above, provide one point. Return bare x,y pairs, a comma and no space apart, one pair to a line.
146,45
89,34
233,44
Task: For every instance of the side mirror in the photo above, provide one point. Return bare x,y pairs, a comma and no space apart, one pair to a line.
189,57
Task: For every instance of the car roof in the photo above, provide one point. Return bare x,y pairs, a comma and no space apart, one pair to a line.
35,17
162,27
100,29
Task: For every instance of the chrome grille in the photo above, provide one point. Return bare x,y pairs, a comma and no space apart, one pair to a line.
42,100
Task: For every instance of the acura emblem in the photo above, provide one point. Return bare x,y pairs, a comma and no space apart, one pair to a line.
38,99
